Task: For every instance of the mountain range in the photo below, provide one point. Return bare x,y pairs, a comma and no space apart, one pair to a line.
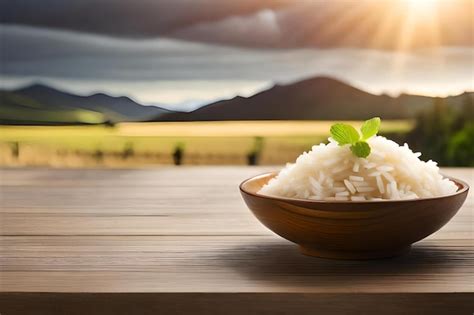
318,98
40,104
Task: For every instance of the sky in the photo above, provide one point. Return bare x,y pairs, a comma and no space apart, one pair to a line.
182,54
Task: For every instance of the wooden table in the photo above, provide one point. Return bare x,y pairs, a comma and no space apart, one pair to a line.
181,240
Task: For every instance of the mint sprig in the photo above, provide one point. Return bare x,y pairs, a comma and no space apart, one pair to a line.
361,149
346,134
370,128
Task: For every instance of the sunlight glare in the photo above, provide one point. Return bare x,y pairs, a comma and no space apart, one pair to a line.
420,25
422,7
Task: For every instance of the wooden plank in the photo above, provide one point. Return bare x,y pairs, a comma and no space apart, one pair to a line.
236,303
178,224
168,201
222,264
185,201
197,224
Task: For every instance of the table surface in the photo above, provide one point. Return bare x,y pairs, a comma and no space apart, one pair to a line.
185,231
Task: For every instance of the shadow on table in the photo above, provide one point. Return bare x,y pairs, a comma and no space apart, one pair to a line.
284,264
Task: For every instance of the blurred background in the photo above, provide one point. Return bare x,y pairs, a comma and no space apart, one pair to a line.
121,83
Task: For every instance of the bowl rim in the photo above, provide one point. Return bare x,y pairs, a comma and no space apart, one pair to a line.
465,188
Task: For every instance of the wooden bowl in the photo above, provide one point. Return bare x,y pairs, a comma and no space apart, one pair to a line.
351,229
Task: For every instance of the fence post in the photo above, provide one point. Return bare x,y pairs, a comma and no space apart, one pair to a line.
253,156
178,154
15,149
128,150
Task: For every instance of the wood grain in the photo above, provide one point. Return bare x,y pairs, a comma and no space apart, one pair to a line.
236,303
174,235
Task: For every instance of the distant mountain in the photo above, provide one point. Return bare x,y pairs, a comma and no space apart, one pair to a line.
318,98
312,99
19,109
42,104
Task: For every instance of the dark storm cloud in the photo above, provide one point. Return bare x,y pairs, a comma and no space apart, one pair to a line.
252,23
27,51
172,71
373,24
125,18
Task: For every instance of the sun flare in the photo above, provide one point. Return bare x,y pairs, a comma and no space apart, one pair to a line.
419,24
422,7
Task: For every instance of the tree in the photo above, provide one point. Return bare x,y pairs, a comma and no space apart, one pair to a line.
445,135
461,147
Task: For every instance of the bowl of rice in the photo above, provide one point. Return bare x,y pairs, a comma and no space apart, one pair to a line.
337,201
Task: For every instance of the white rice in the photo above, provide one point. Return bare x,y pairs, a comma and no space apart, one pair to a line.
332,172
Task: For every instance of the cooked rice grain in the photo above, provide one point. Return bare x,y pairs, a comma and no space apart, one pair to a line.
332,172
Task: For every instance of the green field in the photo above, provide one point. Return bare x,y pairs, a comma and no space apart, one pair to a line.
141,144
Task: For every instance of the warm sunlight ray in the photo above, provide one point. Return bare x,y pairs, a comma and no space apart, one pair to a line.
422,4
419,24
346,18
387,21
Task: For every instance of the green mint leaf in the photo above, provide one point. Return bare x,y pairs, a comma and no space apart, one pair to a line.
344,134
361,149
370,128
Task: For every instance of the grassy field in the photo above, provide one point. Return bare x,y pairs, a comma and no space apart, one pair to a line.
141,144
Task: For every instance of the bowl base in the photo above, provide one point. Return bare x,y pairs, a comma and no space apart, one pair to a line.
310,250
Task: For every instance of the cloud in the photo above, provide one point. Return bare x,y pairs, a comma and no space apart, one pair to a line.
30,51
262,24
370,24
260,29
144,68
125,18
